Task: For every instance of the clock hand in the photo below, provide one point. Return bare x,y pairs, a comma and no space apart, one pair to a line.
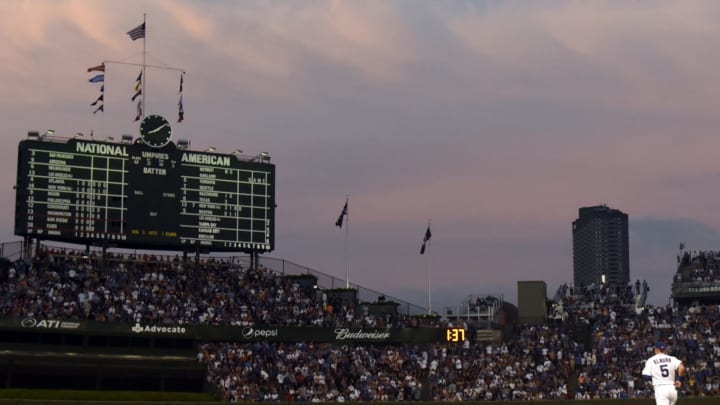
158,128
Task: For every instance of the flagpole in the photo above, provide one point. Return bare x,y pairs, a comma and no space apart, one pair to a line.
429,243
144,74
347,238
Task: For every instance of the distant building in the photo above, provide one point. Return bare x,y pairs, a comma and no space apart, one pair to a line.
532,301
601,247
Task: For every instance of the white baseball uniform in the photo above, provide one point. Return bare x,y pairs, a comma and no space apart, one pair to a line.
663,367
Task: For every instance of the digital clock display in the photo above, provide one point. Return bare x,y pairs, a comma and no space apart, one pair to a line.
132,195
455,334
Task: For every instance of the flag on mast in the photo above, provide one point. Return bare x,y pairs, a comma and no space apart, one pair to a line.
139,110
98,79
181,109
343,214
98,68
426,238
137,32
99,99
138,93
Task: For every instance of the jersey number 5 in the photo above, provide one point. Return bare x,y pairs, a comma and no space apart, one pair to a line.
664,370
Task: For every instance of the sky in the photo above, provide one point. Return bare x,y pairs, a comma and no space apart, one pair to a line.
494,120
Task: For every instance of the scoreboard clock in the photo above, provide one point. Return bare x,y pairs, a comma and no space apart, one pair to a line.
455,335
146,194
155,131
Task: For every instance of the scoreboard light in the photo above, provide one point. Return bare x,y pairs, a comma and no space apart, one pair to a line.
133,195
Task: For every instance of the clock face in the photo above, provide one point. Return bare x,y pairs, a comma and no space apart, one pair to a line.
155,131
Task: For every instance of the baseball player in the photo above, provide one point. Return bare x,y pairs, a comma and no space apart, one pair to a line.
666,373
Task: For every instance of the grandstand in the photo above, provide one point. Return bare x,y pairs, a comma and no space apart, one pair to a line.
105,315
697,279
591,344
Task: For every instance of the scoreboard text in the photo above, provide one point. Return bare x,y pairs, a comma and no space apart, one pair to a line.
134,196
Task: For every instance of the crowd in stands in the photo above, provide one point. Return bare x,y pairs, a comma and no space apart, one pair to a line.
70,285
596,350
593,345
699,266
339,373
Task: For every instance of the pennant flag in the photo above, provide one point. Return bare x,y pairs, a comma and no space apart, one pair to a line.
96,79
137,32
181,110
138,92
139,110
426,238
101,108
342,216
98,68
138,84
98,100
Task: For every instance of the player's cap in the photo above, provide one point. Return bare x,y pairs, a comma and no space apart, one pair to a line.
659,345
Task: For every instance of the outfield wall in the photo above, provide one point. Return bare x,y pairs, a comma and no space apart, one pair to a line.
681,401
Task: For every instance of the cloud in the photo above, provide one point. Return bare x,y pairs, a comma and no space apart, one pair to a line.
632,54
497,120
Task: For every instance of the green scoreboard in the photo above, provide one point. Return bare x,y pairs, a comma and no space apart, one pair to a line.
133,195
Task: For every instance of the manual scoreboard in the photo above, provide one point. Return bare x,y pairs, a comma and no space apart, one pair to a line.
132,195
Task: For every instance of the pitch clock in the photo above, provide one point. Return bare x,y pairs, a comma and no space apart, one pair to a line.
455,334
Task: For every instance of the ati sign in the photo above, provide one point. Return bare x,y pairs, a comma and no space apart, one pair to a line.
48,324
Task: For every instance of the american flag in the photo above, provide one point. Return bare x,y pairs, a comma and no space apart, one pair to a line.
137,32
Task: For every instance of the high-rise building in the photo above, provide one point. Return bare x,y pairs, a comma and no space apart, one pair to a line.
601,251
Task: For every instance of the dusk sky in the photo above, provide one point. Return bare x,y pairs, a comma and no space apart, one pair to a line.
496,120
